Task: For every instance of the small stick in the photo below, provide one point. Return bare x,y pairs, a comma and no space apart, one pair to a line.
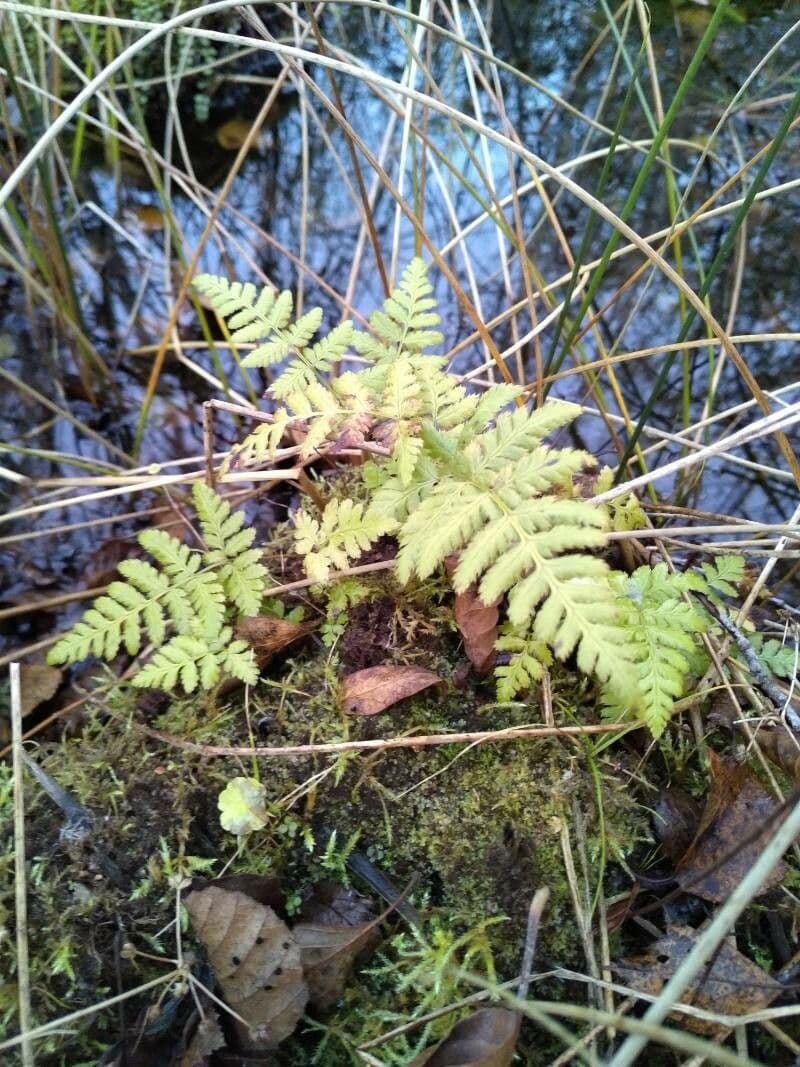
208,443
754,665
23,968
379,744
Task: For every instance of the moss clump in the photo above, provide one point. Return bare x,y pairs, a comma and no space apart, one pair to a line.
477,830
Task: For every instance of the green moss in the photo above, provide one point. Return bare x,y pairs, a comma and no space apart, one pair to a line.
474,831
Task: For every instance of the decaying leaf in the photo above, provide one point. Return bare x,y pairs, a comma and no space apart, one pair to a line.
737,806
487,1038
327,954
477,624
337,927
675,823
374,689
38,683
256,961
241,806
207,1038
730,985
268,635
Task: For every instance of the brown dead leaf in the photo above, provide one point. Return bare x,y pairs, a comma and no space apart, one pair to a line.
477,624
38,683
256,962
730,985
207,1039
374,689
328,953
737,805
487,1038
268,635
333,904
677,817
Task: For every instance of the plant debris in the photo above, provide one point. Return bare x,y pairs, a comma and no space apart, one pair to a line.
730,984
375,689
487,1038
726,846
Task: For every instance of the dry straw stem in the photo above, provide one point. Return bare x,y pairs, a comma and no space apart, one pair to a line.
20,871
387,84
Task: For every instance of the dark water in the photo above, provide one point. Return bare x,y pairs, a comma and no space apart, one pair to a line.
126,270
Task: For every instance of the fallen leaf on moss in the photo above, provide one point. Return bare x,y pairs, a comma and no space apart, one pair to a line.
730,984
327,953
267,635
724,848
256,962
38,683
374,689
487,1038
477,624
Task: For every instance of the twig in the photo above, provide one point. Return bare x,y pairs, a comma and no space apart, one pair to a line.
513,733
21,900
754,665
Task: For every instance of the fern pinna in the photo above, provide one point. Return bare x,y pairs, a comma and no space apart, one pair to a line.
196,594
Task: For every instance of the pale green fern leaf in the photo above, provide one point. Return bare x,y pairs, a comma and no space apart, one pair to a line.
251,317
313,362
724,574
782,659
292,338
486,505
490,404
406,453
260,445
661,631
183,659
343,532
527,663
183,567
405,322
238,566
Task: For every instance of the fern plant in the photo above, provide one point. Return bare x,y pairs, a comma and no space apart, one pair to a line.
194,594
456,472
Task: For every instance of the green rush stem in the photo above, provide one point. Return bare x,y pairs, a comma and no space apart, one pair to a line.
644,171
713,270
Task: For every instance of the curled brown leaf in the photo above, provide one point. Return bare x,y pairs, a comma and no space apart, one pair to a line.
374,689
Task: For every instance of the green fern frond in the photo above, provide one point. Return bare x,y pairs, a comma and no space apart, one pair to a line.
783,659
404,324
724,574
343,532
285,340
260,445
251,316
184,568
486,504
313,362
661,629
191,591
527,664
191,660
238,566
